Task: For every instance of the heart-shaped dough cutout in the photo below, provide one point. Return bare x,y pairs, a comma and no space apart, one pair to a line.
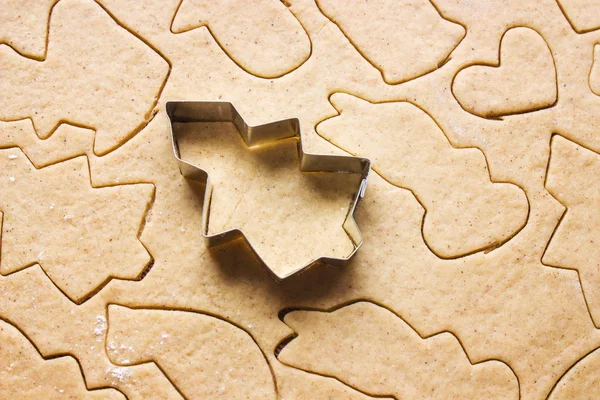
524,79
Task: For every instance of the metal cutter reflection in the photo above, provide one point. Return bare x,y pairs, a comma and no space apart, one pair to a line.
207,111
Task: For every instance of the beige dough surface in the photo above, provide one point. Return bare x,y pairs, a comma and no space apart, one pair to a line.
479,273
580,382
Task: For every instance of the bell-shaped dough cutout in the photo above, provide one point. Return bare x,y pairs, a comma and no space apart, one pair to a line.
583,15
263,37
408,39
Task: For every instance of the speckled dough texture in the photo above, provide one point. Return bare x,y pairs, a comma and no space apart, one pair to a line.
479,276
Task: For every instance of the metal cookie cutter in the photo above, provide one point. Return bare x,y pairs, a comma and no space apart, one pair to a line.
211,111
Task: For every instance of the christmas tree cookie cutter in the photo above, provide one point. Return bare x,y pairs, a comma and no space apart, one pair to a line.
218,111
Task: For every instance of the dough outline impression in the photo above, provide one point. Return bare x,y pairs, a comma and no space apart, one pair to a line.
223,111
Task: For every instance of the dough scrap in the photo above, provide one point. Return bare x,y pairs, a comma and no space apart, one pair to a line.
523,81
